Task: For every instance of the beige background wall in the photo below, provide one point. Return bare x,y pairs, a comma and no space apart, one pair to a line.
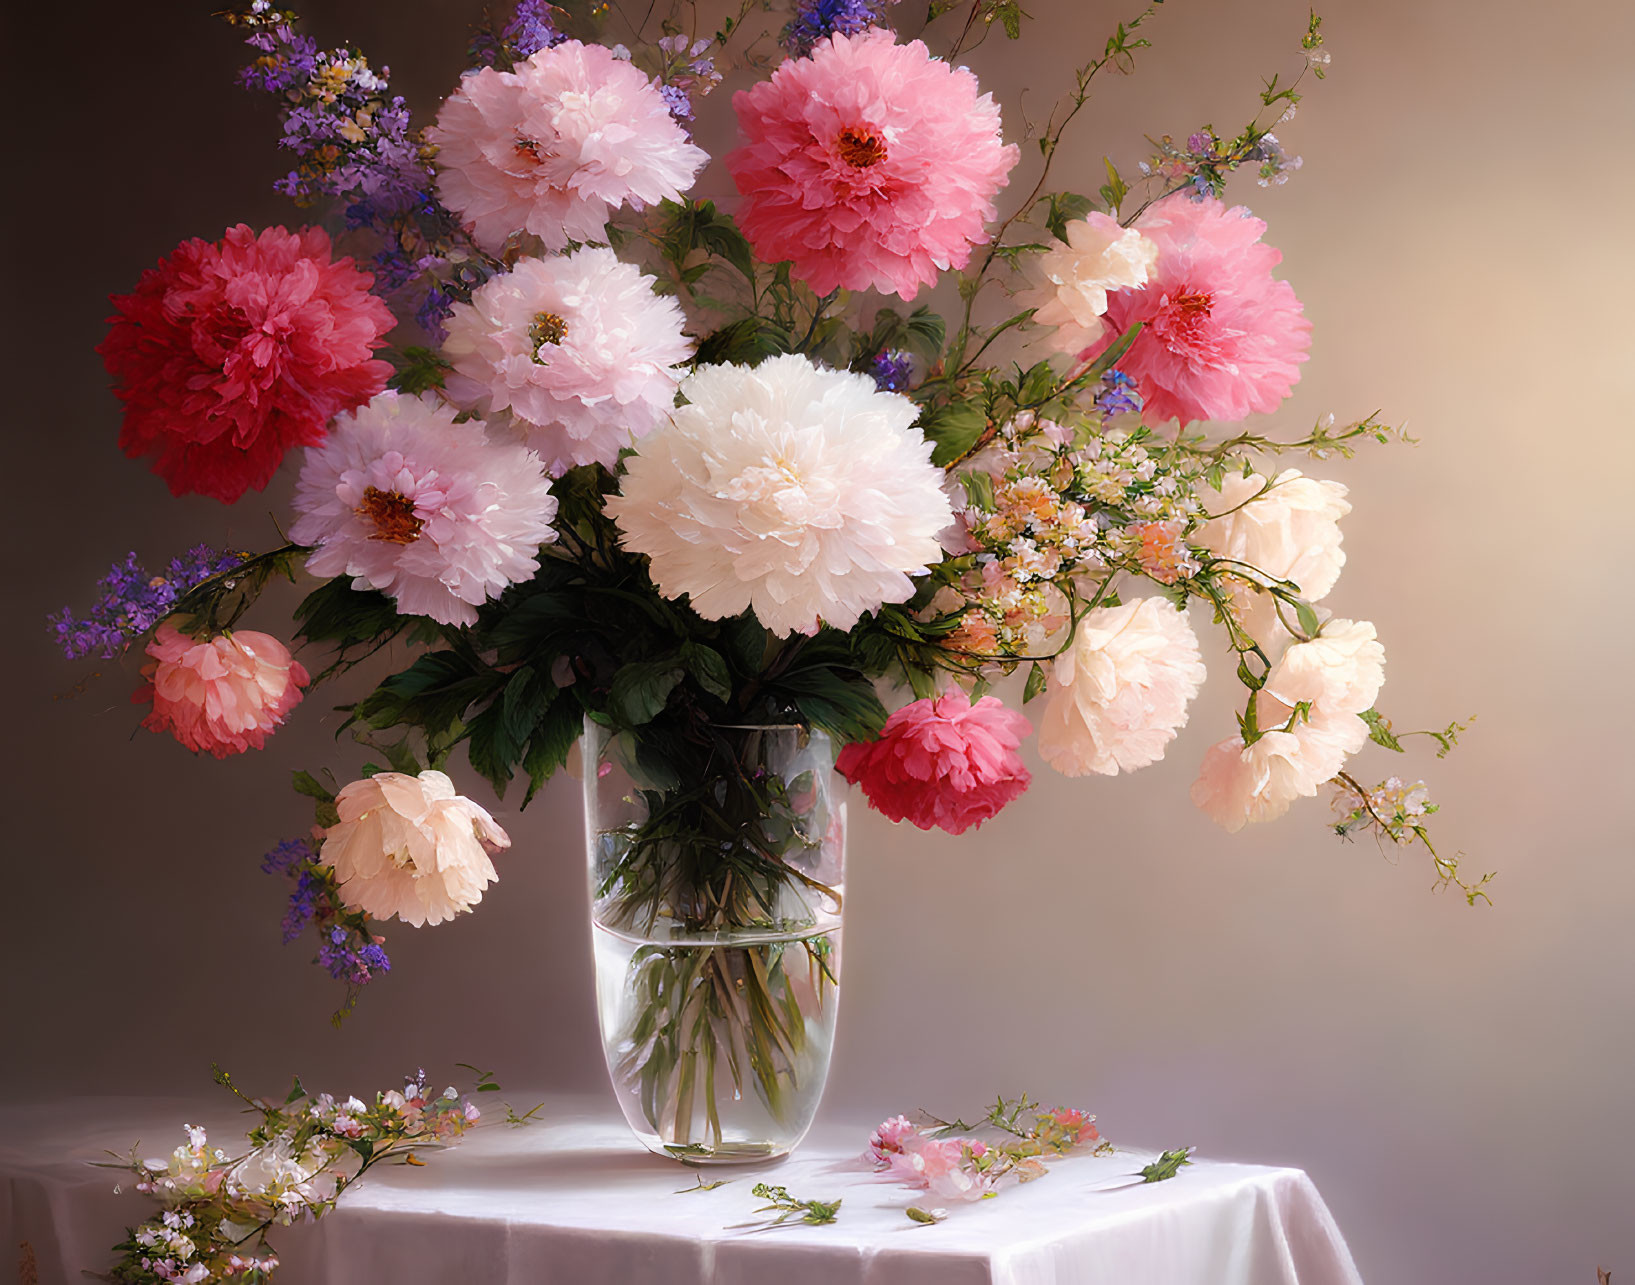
1457,1081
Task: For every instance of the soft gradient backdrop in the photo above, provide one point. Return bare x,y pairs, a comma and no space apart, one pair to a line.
1457,1081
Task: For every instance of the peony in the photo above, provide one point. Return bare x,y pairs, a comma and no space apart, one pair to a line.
1340,671
1120,692
868,164
1289,529
227,355
942,762
1070,283
222,696
1221,337
404,500
410,846
942,1167
576,350
554,146
803,493
1240,783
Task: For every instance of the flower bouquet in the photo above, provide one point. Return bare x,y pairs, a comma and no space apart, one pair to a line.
698,502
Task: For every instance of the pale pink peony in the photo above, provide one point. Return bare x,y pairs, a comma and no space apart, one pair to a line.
1289,529
222,696
804,494
1238,783
1069,284
942,1167
576,351
1340,671
887,1140
868,164
410,846
406,501
942,762
1120,692
554,146
1221,337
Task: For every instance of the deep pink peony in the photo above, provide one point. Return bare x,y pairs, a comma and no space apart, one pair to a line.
1222,336
868,164
942,762
221,696
227,355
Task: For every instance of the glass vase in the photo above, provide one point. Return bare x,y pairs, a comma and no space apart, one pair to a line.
717,861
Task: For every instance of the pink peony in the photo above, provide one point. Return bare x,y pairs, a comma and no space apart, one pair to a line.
222,696
555,146
228,355
942,1167
1222,336
942,762
868,164
887,1140
576,351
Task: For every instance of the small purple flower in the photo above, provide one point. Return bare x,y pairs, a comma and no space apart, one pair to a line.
1201,143
133,601
1118,395
893,370
816,20
529,30
681,106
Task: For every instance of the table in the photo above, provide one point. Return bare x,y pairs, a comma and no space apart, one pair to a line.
575,1201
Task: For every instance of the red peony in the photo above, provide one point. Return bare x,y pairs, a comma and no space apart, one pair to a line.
942,762
228,355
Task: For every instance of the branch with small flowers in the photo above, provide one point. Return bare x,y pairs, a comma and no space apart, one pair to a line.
303,1154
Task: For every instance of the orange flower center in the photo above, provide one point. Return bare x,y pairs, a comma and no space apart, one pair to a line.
392,514
1192,302
528,149
860,147
547,328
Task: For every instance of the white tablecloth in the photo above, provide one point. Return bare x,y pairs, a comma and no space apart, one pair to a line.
575,1201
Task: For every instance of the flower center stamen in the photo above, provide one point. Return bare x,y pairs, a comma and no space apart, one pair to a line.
1192,302
860,147
547,328
393,516
528,148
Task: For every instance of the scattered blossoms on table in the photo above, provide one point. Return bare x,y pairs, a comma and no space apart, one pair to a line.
571,442
216,1208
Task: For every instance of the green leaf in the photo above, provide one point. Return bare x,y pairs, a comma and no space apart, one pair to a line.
309,785
953,429
1036,682
337,613
1115,189
297,1091
402,757
432,694
1167,1165
551,742
709,667
1062,209
1307,615
418,370
1379,730
641,689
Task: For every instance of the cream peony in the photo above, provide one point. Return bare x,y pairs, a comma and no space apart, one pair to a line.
411,847
576,351
804,493
1291,532
1120,692
1069,283
1240,783
1340,671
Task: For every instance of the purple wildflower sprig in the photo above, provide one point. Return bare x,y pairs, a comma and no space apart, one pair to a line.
347,945
531,27
686,71
134,601
816,20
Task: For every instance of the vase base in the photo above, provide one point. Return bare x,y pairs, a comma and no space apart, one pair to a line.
702,1156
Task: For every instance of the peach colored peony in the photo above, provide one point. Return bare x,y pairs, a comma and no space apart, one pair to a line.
1221,337
868,164
1120,692
555,146
222,696
410,846
1290,531
942,762
1238,783
1339,672
1069,283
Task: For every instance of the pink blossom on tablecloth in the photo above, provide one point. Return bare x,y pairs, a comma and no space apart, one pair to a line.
868,164
1221,337
942,762
222,696
887,1140
942,1167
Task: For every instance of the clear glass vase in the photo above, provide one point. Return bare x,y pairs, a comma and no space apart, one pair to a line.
717,862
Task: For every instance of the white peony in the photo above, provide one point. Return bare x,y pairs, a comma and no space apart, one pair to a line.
1240,783
411,847
1120,692
576,351
803,493
1069,283
1339,672
406,501
1291,532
